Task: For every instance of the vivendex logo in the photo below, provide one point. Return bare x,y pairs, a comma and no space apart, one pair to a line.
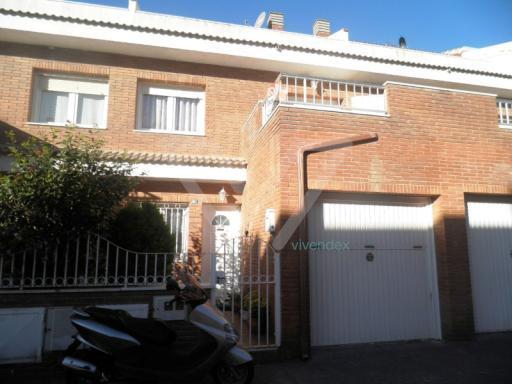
301,245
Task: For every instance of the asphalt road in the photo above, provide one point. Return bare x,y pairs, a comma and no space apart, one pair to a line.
486,359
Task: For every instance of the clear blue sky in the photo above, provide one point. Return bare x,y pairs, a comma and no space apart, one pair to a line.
433,25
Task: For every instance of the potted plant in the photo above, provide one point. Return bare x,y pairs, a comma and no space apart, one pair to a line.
252,306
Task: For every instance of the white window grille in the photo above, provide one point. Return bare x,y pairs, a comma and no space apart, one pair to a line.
505,112
171,110
70,101
176,217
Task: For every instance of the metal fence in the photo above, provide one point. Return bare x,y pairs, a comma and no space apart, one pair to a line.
244,280
87,262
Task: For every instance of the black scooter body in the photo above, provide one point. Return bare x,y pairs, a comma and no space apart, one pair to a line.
143,348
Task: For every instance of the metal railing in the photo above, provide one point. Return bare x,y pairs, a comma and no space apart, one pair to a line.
504,112
87,262
323,93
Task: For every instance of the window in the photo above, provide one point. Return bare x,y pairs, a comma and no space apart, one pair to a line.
220,221
176,217
505,112
71,101
170,110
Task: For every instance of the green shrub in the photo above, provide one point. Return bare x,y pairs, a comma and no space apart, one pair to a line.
60,187
141,228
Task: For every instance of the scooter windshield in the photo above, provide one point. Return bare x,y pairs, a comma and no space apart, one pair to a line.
192,292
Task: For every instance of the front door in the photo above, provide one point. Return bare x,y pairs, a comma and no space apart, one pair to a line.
221,230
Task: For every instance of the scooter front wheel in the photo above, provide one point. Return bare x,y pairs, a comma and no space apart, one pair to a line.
230,374
73,377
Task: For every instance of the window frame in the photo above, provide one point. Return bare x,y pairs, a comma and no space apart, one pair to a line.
184,207
172,91
506,115
73,97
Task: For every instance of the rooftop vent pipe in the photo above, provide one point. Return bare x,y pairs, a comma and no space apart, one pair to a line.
133,5
402,43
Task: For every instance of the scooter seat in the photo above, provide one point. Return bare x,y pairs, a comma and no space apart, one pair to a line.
145,330
150,331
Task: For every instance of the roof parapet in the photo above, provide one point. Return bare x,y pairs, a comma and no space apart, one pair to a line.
342,34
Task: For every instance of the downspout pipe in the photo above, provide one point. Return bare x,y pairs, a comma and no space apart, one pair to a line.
302,155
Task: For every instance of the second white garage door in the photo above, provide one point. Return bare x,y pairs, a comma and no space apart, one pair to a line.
372,276
490,255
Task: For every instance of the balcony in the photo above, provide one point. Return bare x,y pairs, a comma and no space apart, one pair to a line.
323,94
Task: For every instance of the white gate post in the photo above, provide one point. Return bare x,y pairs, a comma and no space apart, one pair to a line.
277,297
213,276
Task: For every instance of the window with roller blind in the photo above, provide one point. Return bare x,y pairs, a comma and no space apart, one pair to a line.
70,101
170,110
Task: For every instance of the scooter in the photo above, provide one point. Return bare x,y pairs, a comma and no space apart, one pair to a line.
111,346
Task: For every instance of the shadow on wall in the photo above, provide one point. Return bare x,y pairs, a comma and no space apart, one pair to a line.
19,136
152,190
117,60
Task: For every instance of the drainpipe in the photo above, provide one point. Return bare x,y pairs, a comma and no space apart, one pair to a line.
302,154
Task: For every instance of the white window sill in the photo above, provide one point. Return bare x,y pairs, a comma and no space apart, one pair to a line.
60,125
505,126
169,132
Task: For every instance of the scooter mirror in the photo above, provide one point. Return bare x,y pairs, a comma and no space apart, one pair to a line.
172,285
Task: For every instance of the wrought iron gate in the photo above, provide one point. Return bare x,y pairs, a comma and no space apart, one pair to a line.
247,290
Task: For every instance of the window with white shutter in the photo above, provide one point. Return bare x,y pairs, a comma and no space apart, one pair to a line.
70,101
171,110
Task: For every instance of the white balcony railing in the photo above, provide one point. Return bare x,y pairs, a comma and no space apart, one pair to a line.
505,112
325,94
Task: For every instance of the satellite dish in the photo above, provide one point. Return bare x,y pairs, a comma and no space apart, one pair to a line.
260,20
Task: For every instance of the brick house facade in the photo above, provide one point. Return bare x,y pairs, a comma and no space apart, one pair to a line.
439,137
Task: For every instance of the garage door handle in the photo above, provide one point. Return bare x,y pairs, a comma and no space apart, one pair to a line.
369,246
417,247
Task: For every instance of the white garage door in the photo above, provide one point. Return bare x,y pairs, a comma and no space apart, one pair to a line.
21,335
372,276
490,254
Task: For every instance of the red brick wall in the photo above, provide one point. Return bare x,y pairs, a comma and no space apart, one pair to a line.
231,94
261,149
436,143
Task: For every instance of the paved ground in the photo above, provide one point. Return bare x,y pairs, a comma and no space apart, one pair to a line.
487,359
